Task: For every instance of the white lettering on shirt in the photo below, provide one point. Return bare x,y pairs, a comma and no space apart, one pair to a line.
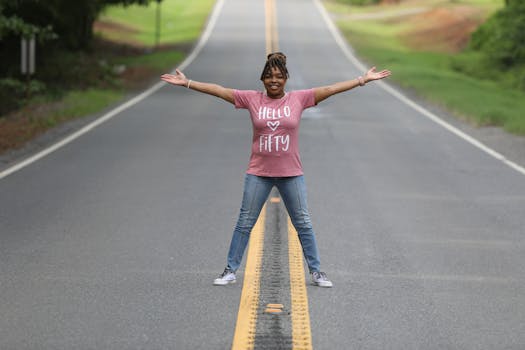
274,143
272,113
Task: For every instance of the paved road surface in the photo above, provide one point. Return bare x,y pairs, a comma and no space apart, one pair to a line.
112,241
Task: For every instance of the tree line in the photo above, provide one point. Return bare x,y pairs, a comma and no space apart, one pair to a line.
61,28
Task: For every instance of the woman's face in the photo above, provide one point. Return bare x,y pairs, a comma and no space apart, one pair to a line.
274,83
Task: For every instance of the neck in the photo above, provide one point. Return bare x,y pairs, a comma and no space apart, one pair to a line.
280,95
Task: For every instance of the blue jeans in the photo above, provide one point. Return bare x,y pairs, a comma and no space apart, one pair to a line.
293,193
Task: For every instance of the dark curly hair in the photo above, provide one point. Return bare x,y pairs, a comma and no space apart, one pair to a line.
275,60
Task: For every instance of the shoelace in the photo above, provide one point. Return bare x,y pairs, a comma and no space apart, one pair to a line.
226,271
320,276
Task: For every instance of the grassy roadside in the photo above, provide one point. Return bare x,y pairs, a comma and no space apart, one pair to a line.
180,21
425,60
118,65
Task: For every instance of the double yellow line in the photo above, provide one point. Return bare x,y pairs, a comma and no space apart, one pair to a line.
245,329
244,338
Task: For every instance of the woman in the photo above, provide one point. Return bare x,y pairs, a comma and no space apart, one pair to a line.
274,160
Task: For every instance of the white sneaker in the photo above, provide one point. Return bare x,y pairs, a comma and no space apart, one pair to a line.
319,279
227,277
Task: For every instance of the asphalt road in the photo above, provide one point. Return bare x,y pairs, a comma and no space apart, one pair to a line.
112,241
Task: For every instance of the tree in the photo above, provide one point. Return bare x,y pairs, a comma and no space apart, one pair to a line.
68,22
72,21
502,37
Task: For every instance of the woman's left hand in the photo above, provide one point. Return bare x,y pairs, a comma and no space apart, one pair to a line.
373,75
176,79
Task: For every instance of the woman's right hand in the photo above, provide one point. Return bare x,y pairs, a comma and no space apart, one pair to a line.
176,79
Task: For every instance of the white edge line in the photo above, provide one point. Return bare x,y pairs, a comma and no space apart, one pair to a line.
202,41
341,42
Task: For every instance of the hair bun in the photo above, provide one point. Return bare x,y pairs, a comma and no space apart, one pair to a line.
278,56
275,60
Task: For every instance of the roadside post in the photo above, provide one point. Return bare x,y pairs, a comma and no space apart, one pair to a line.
157,24
27,59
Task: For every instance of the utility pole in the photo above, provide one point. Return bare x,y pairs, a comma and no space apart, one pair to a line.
157,25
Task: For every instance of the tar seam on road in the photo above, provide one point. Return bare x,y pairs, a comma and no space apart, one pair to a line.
274,325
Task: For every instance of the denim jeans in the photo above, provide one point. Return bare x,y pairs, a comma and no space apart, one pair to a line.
293,193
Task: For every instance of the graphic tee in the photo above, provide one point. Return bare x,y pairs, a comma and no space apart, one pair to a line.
275,145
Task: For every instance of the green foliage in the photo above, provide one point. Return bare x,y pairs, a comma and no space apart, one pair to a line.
83,70
17,26
63,30
13,92
502,37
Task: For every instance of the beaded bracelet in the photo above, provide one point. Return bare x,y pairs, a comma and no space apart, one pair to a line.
361,81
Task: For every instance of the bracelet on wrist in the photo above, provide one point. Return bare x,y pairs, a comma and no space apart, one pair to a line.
189,82
361,81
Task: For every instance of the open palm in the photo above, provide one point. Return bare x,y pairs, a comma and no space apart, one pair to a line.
373,75
176,79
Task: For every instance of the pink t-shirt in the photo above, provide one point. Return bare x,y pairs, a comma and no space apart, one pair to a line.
275,146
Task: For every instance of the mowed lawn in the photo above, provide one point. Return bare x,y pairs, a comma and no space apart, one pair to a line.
181,21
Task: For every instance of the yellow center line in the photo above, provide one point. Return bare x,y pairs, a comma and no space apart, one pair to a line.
301,332
272,36
244,337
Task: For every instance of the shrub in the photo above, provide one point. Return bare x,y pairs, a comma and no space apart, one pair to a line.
13,92
502,37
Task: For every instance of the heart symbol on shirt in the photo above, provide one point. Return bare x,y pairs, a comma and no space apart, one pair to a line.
273,125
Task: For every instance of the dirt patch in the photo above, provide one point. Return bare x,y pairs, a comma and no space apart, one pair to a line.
102,25
19,127
117,30
443,29
138,77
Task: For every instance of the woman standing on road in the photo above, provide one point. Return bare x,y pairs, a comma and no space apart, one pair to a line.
274,160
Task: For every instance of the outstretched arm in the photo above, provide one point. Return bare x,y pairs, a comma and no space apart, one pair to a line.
323,92
212,89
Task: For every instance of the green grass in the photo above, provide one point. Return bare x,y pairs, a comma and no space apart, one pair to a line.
158,60
181,21
435,75
80,103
